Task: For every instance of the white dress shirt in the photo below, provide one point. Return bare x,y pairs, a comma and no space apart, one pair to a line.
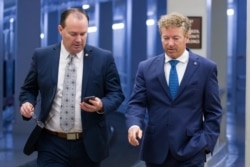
180,67
53,121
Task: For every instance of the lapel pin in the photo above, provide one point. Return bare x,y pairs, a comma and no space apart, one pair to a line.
86,54
195,63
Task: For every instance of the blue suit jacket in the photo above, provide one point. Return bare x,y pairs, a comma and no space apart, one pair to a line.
100,78
183,126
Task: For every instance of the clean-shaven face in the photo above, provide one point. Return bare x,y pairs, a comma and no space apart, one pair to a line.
173,41
74,34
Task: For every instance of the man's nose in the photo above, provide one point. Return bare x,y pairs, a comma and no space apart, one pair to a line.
78,38
170,42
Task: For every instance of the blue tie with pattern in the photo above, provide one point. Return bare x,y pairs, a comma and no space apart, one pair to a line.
67,115
173,78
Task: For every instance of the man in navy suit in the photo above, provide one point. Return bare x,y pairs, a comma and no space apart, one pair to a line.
179,130
86,143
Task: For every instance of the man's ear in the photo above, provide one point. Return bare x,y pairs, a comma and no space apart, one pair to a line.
60,28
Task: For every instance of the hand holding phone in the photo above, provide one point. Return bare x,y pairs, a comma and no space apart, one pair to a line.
86,99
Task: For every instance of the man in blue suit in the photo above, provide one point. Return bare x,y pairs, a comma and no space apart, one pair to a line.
86,142
182,125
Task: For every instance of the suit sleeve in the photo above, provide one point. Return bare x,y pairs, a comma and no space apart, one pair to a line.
29,89
113,91
213,110
135,113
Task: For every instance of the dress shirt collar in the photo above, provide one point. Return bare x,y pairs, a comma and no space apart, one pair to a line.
66,54
183,58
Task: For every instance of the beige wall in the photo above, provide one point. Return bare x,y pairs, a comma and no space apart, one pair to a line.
192,8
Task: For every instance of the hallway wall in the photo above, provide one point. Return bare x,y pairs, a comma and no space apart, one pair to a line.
200,10
247,131
1,64
27,39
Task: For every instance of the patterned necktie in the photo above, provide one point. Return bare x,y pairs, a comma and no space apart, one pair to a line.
173,78
67,115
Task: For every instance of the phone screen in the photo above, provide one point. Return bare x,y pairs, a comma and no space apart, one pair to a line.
86,99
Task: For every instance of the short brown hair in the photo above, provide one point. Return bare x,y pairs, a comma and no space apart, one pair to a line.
67,12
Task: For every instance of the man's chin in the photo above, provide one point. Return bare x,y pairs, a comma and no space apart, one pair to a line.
77,49
171,54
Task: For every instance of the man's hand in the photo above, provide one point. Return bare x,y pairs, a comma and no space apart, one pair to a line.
134,135
93,105
27,109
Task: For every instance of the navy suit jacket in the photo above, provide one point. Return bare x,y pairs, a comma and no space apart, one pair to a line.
185,125
100,78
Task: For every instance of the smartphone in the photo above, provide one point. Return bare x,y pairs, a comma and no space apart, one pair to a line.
86,99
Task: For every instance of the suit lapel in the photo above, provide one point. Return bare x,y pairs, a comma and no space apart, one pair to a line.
159,68
192,66
54,63
87,61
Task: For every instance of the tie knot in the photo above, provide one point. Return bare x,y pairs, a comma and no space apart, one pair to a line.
173,62
71,57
